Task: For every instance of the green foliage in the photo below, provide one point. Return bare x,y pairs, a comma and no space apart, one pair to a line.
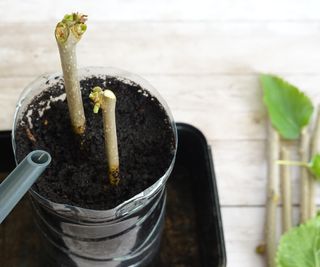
300,247
314,166
289,108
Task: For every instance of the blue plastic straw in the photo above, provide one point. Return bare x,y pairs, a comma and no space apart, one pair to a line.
19,181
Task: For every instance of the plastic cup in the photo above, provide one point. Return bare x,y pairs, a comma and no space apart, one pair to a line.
128,234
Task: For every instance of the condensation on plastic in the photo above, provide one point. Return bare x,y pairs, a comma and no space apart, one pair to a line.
127,235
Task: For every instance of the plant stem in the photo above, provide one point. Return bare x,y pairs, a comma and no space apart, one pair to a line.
68,33
272,194
315,143
106,100
305,179
286,192
292,163
110,135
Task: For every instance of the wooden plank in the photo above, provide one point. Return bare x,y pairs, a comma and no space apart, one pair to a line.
244,231
241,173
222,106
172,48
165,10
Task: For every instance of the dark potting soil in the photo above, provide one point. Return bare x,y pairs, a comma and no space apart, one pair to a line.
78,174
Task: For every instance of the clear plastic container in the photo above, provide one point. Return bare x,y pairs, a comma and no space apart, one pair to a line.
127,235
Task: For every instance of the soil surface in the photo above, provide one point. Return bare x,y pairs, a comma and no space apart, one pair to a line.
78,173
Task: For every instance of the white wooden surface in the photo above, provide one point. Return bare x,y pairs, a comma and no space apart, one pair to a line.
203,56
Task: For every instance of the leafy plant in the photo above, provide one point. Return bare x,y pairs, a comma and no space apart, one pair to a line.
300,247
289,109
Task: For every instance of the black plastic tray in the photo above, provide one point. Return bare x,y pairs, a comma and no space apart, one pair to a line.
193,233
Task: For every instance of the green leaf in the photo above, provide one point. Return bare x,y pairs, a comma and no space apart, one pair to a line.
314,166
289,109
300,247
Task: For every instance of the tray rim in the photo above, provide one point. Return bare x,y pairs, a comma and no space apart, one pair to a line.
210,167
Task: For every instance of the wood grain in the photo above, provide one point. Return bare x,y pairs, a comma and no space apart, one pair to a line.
247,233
174,48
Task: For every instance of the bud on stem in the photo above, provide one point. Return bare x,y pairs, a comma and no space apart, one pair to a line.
68,33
